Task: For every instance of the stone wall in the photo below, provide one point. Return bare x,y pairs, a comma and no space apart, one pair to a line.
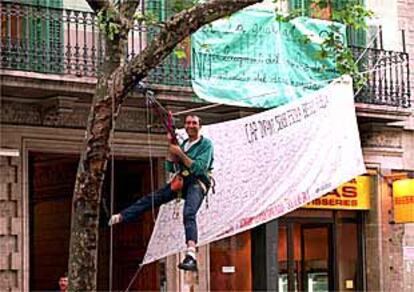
384,150
406,22
391,241
11,220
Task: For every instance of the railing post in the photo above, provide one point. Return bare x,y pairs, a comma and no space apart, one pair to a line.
403,40
380,38
408,96
77,48
93,49
9,34
85,49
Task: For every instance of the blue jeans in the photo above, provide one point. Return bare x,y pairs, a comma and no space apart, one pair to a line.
193,194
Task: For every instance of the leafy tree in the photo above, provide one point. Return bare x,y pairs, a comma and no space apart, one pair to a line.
116,79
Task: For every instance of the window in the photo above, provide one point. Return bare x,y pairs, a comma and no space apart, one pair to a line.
355,37
32,35
174,70
45,31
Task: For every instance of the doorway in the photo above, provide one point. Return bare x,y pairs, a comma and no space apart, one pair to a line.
304,256
320,254
51,182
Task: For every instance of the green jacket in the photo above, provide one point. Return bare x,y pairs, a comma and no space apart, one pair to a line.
201,153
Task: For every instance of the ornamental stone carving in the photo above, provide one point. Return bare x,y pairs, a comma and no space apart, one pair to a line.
64,112
380,136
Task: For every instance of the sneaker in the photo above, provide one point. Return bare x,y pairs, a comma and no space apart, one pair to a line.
188,264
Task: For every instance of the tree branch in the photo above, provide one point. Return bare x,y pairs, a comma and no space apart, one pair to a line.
128,8
97,5
172,33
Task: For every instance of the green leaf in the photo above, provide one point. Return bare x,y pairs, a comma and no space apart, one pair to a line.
205,46
180,53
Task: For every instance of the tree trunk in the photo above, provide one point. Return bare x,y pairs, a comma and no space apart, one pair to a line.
83,254
112,87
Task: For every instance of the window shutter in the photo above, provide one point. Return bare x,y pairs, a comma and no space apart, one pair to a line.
356,37
55,39
157,8
300,4
173,69
45,33
34,32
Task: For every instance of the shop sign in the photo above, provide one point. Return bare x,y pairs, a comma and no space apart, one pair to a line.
353,195
403,192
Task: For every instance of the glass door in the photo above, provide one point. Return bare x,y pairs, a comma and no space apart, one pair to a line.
321,251
305,257
316,251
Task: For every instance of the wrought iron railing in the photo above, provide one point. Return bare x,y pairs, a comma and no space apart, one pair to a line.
62,41
68,42
387,77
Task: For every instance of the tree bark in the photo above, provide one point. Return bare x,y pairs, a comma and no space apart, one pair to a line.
114,83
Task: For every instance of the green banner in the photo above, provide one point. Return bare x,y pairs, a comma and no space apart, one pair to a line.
250,59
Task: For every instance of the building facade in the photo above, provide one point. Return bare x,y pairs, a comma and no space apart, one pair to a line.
50,53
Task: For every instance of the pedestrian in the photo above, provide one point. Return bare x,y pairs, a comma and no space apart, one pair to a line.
191,163
63,283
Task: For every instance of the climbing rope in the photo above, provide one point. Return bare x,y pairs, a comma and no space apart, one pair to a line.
134,277
149,121
114,114
150,100
112,191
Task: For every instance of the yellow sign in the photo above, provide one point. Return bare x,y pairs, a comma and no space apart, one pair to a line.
353,195
403,192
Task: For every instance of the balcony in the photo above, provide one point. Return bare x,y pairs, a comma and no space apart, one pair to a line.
388,80
67,42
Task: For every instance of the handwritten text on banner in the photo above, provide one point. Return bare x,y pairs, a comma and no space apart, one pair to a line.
250,59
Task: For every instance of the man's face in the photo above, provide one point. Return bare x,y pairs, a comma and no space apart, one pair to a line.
63,283
192,126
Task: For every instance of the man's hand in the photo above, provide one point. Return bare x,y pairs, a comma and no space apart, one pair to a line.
170,138
176,150
115,219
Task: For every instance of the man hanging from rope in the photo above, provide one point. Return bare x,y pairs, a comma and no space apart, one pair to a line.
191,162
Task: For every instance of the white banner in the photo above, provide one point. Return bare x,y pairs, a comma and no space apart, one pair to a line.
269,164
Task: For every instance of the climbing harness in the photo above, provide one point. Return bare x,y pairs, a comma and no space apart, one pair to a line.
149,120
